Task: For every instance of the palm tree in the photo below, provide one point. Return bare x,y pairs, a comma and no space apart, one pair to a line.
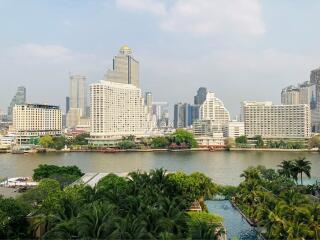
303,166
288,169
131,228
97,221
251,173
204,230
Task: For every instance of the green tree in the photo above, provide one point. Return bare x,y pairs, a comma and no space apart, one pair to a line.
303,167
56,172
126,144
182,137
46,141
242,140
160,142
59,142
259,141
12,218
81,139
314,142
229,142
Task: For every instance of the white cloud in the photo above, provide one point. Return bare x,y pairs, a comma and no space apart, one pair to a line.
152,6
203,17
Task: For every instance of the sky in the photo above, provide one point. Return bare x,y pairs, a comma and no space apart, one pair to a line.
239,49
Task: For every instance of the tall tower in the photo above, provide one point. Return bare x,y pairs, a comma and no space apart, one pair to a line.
201,96
125,68
78,93
315,79
18,99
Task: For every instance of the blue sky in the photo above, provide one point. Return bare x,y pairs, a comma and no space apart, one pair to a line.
240,49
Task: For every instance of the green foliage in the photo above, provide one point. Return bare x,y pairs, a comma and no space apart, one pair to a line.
291,169
285,144
65,175
59,142
81,139
229,142
46,141
126,144
259,141
182,139
242,140
227,191
142,206
314,142
12,218
160,142
274,202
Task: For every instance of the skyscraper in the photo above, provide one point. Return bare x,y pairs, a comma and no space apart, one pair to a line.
78,93
214,109
201,96
18,99
161,111
125,68
118,108
148,101
315,79
184,115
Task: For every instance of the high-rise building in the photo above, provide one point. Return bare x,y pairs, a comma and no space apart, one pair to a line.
161,111
117,110
73,117
35,120
67,104
18,99
125,68
214,109
315,79
78,93
148,101
184,115
276,121
201,96
290,95
117,106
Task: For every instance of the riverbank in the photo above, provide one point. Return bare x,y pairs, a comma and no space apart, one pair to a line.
166,150
273,150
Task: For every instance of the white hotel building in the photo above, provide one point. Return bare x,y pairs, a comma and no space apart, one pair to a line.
36,120
117,105
276,121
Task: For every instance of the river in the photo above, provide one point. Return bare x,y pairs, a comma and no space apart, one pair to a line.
223,167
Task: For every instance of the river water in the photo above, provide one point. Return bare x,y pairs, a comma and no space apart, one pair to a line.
223,167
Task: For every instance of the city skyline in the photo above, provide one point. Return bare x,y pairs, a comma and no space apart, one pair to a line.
225,53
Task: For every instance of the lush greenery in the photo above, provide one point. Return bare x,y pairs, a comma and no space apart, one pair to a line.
64,175
182,139
286,144
142,206
12,218
273,201
314,142
294,168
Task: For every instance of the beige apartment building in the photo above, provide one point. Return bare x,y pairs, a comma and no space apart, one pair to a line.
276,121
118,110
35,120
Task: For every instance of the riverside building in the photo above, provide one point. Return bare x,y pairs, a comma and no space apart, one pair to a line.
19,98
35,120
276,121
117,106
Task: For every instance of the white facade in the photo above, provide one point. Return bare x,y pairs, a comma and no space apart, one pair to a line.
233,129
118,110
290,95
214,109
34,120
276,121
